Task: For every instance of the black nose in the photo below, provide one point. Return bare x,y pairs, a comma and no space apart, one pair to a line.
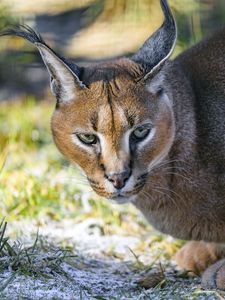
119,179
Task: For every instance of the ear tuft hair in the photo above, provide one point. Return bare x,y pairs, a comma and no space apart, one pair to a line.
25,32
158,47
28,33
64,75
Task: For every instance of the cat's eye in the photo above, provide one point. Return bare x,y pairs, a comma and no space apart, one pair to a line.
141,132
89,139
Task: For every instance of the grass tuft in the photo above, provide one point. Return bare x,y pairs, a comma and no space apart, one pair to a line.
38,184
33,261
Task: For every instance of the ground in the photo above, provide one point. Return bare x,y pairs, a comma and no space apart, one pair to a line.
64,242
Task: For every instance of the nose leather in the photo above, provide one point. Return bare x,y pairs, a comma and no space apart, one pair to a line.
119,179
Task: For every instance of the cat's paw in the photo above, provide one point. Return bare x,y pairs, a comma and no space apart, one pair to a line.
214,276
198,256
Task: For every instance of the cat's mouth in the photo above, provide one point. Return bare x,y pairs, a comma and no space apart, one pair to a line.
123,195
126,197
122,199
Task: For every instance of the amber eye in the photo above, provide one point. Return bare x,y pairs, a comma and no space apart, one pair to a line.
88,139
141,132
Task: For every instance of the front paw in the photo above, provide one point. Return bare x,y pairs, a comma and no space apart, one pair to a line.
198,256
214,276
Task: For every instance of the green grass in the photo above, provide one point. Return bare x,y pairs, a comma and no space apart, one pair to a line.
32,260
37,182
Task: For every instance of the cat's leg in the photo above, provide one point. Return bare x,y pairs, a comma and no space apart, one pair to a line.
198,256
214,276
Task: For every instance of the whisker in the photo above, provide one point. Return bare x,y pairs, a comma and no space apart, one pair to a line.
166,195
176,167
169,161
144,193
159,203
171,191
183,177
166,163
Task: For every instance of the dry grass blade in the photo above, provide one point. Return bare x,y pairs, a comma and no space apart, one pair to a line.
139,263
153,279
2,233
3,158
31,261
7,282
5,248
35,242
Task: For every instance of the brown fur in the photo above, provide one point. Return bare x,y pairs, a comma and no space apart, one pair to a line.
176,174
116,105
183,195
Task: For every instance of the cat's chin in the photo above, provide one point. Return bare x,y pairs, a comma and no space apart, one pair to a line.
122,199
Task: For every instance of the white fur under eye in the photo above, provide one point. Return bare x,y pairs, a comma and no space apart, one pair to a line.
140,144
78,143
147,140
166,149
126,140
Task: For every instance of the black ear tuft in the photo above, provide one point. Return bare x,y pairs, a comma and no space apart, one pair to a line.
28,33
25,32
64,74
157,49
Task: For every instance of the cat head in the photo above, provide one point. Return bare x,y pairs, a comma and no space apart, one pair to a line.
114,119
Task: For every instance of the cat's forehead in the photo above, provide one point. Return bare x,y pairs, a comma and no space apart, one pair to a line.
113,110
118,82
122,70
114,100
110,118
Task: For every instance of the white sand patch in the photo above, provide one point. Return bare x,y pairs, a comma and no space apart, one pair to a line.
102,268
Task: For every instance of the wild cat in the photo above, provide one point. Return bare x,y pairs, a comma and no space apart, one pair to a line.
151,131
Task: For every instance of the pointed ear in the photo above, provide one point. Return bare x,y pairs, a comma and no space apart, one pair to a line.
64,82
64,75
158,48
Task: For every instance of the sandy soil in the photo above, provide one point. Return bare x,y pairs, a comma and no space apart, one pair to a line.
103,267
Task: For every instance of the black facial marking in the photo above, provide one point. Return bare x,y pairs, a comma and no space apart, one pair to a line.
94,121
116,85
130,118
109,93
159,92
143,176
102,167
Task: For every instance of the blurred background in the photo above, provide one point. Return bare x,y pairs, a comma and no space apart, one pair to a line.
91,30
35,180
39,189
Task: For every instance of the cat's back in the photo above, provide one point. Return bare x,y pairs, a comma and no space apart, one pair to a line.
204,67
205,60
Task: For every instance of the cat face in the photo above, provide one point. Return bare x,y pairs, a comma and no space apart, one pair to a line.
114,120
116,130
